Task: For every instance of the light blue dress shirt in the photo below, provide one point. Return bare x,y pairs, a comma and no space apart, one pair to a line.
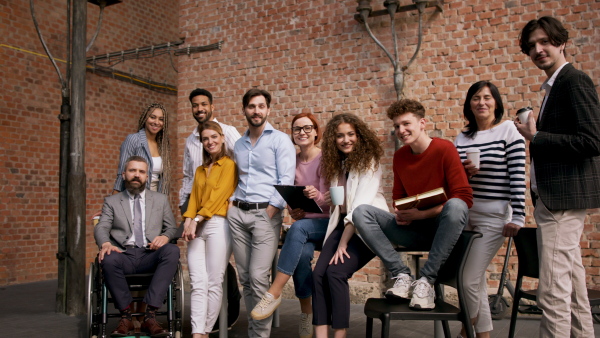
271,161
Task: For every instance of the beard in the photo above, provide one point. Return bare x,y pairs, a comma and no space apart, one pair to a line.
207,117
256,124
133,189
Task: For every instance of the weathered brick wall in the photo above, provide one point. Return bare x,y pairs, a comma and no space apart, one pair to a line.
314,57
31,98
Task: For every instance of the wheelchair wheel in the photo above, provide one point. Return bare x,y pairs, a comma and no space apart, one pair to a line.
500,310
92,303
596,313
178,303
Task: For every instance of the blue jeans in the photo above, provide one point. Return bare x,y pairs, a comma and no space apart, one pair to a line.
298,251
378,229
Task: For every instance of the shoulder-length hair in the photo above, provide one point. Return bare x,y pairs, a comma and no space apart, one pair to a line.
314,121
367,151
162,139
206,158
471,128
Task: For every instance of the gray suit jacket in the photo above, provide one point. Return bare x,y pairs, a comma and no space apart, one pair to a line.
116,222
566,149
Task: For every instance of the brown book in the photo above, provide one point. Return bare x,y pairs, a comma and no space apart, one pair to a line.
422,201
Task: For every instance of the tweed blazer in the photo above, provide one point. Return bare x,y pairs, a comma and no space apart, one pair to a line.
135,144
566,149
116,222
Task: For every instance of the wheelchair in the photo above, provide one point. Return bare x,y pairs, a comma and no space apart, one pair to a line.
98,299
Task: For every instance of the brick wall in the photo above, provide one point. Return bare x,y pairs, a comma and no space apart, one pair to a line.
31,98
310,54
314,57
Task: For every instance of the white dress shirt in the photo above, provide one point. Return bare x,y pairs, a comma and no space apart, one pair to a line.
192,156
131,240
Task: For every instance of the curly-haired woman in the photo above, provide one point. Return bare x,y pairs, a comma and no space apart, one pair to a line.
351,155
152,143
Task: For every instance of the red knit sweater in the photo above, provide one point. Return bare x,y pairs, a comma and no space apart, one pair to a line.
438,166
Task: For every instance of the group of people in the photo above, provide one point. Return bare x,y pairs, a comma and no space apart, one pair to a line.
229,203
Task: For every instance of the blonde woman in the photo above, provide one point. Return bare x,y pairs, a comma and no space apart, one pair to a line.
207,230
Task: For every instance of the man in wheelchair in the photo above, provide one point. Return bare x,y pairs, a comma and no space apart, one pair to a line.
133,236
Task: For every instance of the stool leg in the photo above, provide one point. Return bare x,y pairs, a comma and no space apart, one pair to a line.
385,325
369,333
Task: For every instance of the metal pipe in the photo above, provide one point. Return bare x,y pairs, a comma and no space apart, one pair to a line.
76,241
61,255
96,58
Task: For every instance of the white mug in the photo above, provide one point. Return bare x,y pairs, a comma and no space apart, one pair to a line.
337,195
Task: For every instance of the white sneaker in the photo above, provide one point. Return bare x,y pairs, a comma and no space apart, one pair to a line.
423,297
403,287
305,330
265,307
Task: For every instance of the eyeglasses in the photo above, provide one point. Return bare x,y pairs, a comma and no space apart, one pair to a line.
307,129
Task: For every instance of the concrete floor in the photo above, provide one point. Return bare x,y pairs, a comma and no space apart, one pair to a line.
27,310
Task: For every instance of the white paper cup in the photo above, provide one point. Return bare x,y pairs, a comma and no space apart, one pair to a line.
523,115
337,195
473,155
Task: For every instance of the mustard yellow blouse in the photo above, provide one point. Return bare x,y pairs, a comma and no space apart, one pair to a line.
210,195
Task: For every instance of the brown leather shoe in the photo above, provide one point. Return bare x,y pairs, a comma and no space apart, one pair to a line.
124,329
151,326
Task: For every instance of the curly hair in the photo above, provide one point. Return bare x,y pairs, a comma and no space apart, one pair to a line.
162,139
366,153
405,106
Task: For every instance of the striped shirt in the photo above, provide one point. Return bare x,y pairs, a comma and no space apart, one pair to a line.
192,156
500,182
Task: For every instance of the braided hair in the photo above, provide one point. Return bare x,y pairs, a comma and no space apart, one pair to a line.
162,139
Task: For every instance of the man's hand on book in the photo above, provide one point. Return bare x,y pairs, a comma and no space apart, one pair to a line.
470,169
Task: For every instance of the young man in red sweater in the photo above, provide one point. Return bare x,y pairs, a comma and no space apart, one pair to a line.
422,164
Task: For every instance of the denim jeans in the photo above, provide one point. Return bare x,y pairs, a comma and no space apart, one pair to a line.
298,251
379,230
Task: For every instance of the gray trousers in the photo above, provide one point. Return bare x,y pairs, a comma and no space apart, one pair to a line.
255,239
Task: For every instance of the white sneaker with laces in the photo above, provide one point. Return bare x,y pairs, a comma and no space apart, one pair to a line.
403,287
265,307
423,296
305,330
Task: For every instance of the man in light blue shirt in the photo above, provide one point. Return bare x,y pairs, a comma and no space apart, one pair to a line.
264,157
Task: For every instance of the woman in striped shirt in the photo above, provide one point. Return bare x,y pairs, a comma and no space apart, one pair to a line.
152,143
498,190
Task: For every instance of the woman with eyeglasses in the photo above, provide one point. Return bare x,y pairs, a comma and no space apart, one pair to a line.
308,230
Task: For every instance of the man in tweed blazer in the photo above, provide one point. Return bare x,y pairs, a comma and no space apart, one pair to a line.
565,177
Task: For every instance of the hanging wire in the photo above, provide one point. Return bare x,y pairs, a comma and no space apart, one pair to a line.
63,83
171,58
102,5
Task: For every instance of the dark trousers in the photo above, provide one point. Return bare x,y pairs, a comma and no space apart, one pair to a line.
331,293
163,262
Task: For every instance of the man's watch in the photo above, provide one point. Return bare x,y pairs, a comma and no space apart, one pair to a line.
197,219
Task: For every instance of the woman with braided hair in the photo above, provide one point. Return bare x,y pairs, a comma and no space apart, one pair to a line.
152,143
